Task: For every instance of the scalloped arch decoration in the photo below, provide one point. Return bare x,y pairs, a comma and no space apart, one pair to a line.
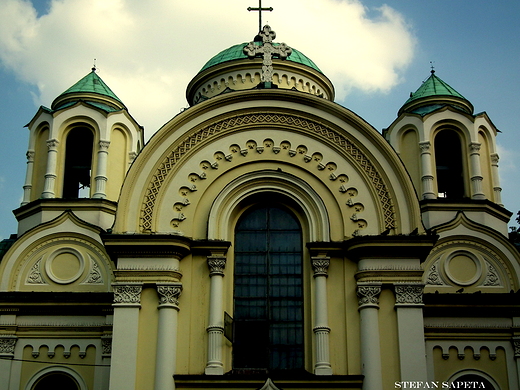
226,125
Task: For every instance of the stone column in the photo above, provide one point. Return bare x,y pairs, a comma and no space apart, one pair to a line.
371,367
50,175
426,171
27,188
101,175
127,302
476,172
215,329
321,327
7,344
497,190
167,335
410,329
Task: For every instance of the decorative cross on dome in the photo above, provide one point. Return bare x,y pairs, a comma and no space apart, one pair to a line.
267,51
260,9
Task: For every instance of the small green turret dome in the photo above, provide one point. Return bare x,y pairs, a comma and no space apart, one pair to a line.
433,94
92,89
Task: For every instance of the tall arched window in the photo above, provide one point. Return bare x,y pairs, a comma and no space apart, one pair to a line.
56,380
448,165
78,162
268,295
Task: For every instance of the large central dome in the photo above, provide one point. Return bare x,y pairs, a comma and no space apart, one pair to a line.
232,70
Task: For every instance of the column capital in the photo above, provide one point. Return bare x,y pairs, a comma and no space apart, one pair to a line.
127,294
216,264
52,144
425,146
409,295
368,295
474,147
320,265
7,344
516,345
103,145
169,295
30,155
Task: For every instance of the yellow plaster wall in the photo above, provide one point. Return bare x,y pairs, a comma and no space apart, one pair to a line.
84,367
497,369
389,339
117,163
40,163
352,330
411,156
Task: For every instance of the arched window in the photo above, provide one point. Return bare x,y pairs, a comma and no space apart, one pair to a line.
78,162
448,165
56,380
268,295
473,381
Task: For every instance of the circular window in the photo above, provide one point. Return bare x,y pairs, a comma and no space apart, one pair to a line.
65,265
463,268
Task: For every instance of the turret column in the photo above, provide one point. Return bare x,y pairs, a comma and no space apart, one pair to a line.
101,176
50,175
426,171
27,188
476,173
497,190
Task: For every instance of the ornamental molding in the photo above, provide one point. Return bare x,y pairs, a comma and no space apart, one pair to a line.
368,296
103,145
95,276
269,385
425,146
228,125
434,278
127,294
169,295
35,274
409,295
236,152
516,346
30,156
216,265
320,265
492,277
7,344
474,147
52,144
106,346
457,349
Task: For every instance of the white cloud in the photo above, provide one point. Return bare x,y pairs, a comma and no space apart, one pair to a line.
148,50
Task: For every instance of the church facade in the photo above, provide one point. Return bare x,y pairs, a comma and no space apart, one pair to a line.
265,237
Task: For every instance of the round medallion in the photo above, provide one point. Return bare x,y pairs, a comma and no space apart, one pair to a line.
463,268
65,266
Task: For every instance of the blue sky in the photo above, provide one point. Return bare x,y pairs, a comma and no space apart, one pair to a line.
375,52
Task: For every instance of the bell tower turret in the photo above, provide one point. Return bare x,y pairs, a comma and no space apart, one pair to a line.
80,148
450,153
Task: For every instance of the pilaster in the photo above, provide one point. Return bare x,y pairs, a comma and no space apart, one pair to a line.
7,346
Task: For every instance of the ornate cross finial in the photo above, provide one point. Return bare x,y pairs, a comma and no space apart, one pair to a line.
432,67
267,51
260,9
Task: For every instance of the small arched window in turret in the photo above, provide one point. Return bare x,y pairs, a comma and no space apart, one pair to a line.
448,165
78,163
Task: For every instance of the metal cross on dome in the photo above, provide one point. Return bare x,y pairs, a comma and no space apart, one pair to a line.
260,9
267,51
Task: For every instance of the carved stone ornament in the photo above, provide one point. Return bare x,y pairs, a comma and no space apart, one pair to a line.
269,385
106,345
35,276
216,265
425,146
95,276
127,294
320,265
409,294
368,295
516,346
52,144
103,145
30,155
434,279
492,278
169,295
7,344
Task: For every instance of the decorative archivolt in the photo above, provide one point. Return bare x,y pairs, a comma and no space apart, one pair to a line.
236,153
329,135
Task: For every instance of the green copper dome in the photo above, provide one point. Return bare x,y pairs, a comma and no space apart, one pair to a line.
237,53
86,89
433,94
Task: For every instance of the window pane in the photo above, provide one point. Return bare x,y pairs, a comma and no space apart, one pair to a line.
268,313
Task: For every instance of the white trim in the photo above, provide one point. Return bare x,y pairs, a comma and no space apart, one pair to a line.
278,182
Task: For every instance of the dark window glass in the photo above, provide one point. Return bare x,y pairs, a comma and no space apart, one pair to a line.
56,381
473,381
268,315
448,159
78,162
